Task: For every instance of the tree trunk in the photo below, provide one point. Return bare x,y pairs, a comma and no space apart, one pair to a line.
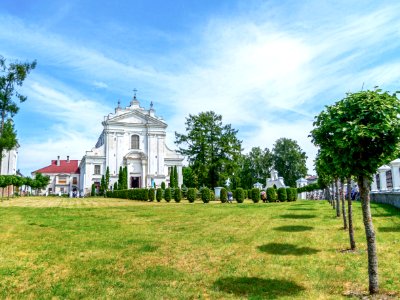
350,209
343,205
333,196
337,198
364,186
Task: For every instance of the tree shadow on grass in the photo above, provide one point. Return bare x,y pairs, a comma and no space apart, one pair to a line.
389,229
289,216
254,287
286,249
293,228
300,208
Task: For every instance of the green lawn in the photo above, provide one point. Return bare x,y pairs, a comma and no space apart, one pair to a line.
109,248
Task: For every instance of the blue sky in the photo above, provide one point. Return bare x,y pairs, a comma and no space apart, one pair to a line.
268,67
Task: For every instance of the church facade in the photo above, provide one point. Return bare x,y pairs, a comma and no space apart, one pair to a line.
132,137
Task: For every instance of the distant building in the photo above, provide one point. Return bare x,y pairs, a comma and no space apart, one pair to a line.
275,180
64,176
132,137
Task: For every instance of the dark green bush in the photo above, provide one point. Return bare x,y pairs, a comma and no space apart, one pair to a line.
205,194
177,195
282,196
245,194
239,195
152,194
159,194
255,195
223,196
191,194
167,194
290,195
271,194
212,195
295,194
163,185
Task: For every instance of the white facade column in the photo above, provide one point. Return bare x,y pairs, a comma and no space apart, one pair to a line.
374,185
395,166
382,177
300,183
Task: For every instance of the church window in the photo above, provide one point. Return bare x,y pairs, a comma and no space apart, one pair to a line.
96,169
74,180
134,142
62,179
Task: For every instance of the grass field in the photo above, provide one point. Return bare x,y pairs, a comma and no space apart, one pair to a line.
109,248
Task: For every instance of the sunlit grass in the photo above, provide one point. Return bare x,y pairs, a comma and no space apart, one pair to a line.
113,248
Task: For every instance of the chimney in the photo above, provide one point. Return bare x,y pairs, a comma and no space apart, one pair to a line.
58,160
67,158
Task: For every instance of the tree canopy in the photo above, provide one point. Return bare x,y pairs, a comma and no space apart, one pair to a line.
255,167
212,148
289,160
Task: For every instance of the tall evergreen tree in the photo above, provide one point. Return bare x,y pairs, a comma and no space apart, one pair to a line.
172,178
107,178
120,178
125,177
211,148
176,179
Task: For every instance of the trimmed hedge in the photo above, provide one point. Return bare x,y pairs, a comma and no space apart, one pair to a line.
223,196
159,194
282,196
239,195
212,195
191,194
132,194
255,195
152,194
177,195
271,194
291,194
205,195
167,194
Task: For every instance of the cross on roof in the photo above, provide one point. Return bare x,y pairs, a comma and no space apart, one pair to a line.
134,95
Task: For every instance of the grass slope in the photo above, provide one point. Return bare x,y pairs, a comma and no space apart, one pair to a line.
108,248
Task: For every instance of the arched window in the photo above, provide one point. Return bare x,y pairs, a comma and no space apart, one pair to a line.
134,142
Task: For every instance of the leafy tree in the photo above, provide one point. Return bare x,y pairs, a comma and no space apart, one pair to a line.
255,166
289,160
189,177
362,132
211,148
11,76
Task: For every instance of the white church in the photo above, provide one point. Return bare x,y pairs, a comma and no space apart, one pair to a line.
133,137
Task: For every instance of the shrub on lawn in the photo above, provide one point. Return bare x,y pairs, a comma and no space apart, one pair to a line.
212,195
163,185
167,194
152,194
191,194
177,195
282,196
239,195
205,195
223,196
271,194
159,194
294,193
255,195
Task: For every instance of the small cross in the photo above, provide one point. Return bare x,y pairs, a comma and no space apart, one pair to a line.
134,90
151,105
119,102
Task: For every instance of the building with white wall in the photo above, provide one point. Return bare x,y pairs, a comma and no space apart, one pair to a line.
133,137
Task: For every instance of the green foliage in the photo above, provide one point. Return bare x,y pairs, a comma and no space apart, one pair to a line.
255,166
189,177
239,195
172,178
115,186
102,185
205,194
168,194
255,195
93,191
246,194
163,185
282,195
271,194
223,195
290,194
211,148
159,194
191,195
176,179
309,188
177,195
289,160
152,194
107,179
212,195
131,194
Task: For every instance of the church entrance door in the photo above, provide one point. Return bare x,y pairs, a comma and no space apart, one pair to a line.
135,182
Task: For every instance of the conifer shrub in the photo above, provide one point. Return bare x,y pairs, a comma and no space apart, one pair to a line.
152,194
212,195
159,194
295,194
177,195
163,185
223,196
290,195
93,191
239,195
245,194
282,196
255,195
205,194
167,194
191,195
115,186
271,194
